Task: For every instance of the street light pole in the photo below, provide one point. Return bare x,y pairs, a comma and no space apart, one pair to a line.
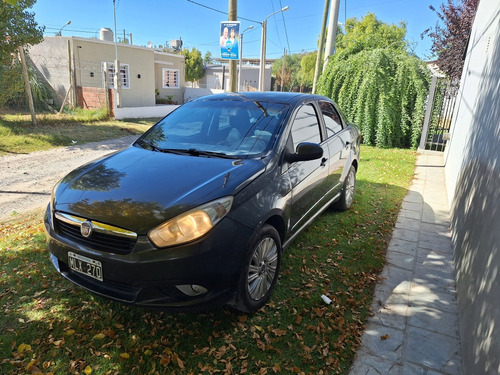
59,33
263,49
241,56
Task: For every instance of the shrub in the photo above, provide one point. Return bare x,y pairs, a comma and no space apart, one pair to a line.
383,91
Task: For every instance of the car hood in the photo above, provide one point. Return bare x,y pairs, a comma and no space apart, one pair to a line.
137,189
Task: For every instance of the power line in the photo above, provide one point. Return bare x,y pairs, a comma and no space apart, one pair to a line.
222,12
276,24
73,30
284,25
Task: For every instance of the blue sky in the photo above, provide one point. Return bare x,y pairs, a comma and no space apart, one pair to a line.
160,21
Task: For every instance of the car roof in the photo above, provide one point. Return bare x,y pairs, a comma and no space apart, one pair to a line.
268,96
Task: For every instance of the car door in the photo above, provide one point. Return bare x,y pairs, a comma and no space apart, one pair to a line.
308,178
338,144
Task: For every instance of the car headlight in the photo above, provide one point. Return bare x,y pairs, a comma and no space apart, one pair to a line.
190,225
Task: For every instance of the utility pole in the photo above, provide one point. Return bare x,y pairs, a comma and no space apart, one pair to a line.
317,71
27,85
283,69
332,32
233,64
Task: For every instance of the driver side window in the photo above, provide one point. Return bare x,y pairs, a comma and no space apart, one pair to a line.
305,126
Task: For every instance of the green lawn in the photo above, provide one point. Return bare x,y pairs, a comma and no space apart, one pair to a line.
18,135
49,325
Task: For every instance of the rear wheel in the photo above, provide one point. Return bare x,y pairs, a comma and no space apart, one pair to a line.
260,271
348,190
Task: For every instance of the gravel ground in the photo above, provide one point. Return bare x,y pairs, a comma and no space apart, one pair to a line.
26,180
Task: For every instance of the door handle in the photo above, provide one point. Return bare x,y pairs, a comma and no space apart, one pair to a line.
323,162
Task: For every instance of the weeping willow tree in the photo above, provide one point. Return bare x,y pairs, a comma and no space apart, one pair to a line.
383,90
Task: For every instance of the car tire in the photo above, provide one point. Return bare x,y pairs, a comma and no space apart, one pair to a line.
348,190
259,272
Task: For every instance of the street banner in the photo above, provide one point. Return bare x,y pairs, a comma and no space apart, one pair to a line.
229,40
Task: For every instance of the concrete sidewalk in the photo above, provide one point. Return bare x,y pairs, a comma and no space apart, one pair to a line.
414,329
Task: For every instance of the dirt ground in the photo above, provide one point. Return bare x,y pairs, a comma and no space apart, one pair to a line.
26,180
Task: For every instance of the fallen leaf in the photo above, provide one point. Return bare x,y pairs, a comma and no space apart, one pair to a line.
384,337
165,360
69,332
58,343
30,365
279,332
88,370
110,333
23,348
125,355
99,336
261,345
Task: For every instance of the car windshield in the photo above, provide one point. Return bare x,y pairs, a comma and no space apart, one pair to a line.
219,128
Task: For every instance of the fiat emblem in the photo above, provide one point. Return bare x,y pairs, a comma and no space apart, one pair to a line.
86,229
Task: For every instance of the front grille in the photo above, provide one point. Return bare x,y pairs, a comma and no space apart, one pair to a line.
97,240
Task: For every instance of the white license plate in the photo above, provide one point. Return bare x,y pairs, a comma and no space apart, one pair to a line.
84,265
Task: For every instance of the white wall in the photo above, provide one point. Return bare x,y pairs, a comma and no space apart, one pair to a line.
191,93
473,184
143,112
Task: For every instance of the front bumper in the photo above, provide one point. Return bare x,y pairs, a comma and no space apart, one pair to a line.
153,277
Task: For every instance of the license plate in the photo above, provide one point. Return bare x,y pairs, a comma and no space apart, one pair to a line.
84,265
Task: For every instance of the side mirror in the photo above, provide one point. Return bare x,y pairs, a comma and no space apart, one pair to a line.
305,151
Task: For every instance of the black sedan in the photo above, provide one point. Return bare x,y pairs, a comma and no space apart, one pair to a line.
196,213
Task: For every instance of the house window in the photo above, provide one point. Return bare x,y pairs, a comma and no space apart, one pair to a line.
124,75
170,78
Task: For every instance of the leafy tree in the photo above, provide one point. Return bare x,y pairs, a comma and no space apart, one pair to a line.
11,2
17,28
383,91
193,64
292,68
380,86
370,33
307,67
207,59
450,40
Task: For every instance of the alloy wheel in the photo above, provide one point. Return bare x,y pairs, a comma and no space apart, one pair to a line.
262,269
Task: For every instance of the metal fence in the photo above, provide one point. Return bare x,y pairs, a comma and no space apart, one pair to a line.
439,112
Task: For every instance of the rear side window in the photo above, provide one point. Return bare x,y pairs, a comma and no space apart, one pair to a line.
305,127
332,118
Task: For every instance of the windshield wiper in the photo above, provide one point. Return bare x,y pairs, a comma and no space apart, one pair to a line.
190,151
195,152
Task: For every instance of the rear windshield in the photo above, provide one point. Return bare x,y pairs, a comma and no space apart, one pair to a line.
231,128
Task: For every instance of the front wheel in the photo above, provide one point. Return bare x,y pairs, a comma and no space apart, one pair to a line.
260,271
347,195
